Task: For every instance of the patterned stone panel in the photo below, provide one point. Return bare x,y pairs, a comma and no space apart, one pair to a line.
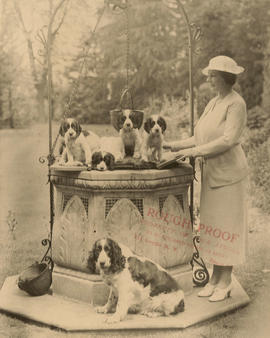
175,233
69,238
124,224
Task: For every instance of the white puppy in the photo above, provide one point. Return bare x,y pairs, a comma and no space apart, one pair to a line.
128,123
75,144
154,127
113,145
110,150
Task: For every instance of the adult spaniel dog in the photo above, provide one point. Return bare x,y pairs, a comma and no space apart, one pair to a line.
137,284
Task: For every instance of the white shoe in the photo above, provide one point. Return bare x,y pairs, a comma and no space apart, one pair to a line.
207,291
221,294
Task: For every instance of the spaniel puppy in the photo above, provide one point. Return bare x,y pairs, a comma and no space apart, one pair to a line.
76,144
110,150
136,283
154,127
128,124
102,160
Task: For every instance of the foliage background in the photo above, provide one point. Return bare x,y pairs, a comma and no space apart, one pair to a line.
158,64
159,82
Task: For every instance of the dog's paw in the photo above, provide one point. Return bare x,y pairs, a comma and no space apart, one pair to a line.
74,163
115,318
102,309
78,163
119,158
137,155
135,308
151,314
144,158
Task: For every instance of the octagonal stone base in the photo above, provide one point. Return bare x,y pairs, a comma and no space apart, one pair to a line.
147,210
74,316
91,289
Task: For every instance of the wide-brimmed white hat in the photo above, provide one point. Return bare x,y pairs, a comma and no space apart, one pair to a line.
223,64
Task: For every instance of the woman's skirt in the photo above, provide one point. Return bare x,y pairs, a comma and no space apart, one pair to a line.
223,223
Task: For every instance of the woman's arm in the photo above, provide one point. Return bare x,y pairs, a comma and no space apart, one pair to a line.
234,126
178,145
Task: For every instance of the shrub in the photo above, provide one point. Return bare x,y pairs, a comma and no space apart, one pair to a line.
256,118
255,137
176,113
258,159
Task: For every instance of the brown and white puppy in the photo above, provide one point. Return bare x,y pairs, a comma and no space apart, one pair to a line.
136,283
110,150
102,160
127,124
76,144
154,128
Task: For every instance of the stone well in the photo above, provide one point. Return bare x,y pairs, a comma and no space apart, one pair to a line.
147,210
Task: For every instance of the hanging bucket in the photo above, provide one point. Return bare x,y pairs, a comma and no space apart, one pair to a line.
116,114
36,279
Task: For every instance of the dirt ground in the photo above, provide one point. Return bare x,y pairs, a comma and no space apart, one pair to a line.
24,196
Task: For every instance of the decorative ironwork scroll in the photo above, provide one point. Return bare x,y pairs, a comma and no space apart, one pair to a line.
46,258
46,42
200,275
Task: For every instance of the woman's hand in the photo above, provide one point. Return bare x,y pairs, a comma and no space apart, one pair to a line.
170,146
166,145
181,155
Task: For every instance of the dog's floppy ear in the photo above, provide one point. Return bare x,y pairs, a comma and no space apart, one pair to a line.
116,116
147,125
96,157
63,128
162,123
77,127
137,118
117,259
109,160
92,259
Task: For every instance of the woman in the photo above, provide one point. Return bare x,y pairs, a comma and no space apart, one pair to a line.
223,223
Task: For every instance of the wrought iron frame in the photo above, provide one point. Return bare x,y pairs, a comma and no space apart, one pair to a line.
200,275
47,45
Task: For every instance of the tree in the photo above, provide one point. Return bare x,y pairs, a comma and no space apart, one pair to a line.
266,83
9,65
39,66
158,57
237,29
155,59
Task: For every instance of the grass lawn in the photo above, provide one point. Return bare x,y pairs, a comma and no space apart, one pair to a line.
25,198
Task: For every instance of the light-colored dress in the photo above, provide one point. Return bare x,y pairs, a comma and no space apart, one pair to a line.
223,210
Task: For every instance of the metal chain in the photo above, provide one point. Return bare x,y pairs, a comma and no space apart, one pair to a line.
85,53
128,44
76,83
